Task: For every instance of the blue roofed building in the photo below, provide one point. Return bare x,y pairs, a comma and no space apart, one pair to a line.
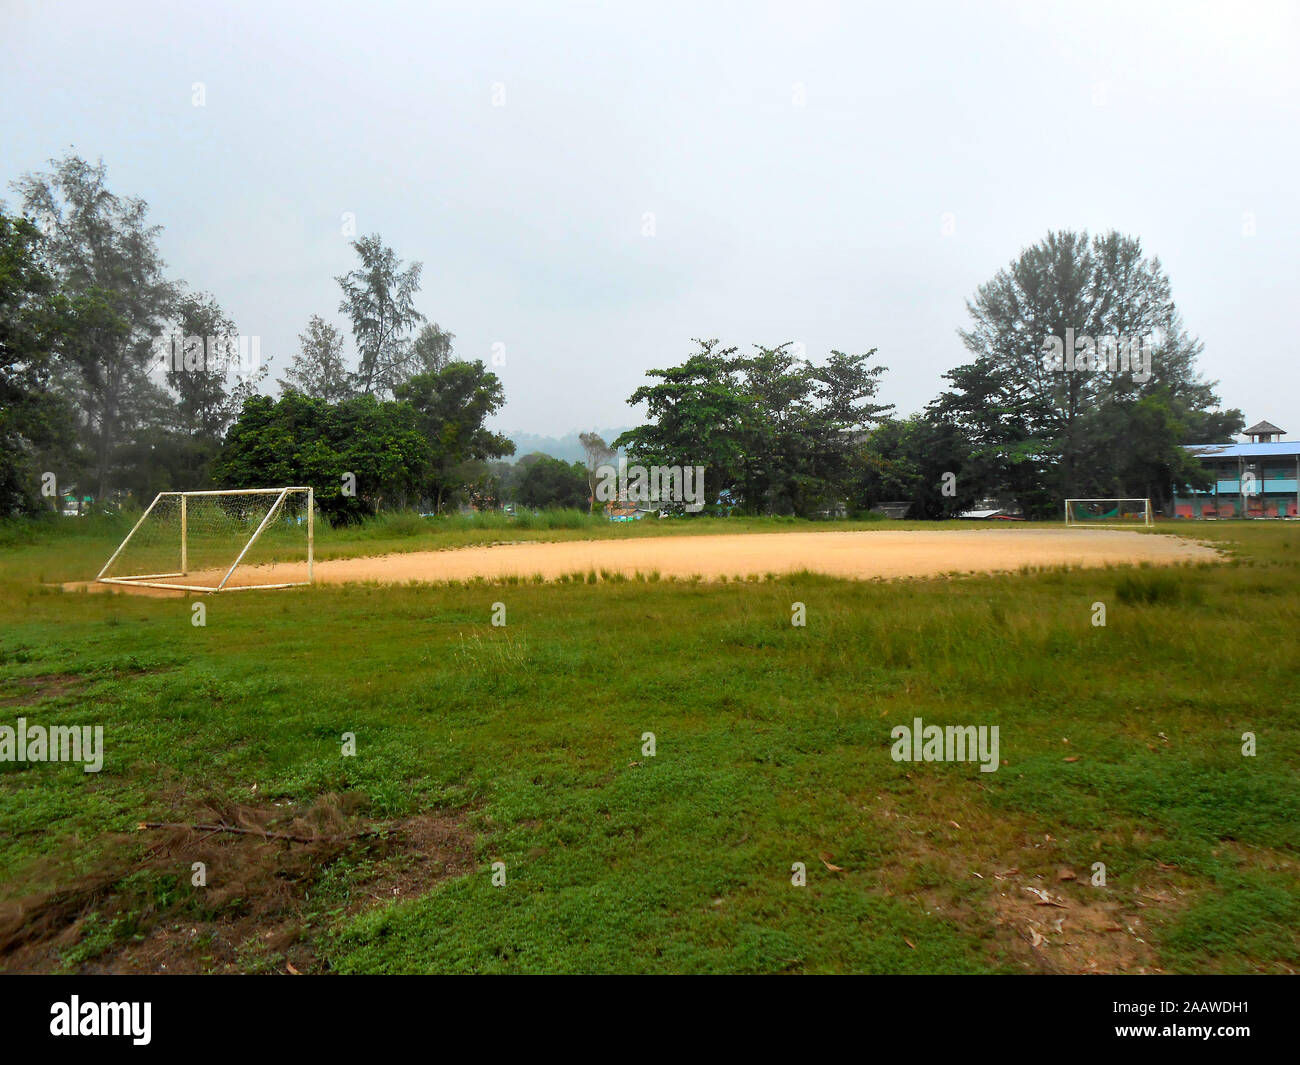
1259,479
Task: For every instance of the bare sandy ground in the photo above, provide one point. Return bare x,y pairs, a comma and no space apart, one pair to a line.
860,555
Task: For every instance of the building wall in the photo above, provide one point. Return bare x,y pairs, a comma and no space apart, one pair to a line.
1275,490
1259,506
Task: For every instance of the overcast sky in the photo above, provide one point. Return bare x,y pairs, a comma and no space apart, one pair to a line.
801,163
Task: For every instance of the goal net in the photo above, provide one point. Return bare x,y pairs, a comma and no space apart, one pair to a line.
210,541
1108,512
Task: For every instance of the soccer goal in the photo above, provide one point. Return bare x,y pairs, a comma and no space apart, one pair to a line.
1104,513
210,541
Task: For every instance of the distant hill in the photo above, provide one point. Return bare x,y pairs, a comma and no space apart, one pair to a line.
567,447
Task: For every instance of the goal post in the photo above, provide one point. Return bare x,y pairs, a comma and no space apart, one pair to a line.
219,541
1108,513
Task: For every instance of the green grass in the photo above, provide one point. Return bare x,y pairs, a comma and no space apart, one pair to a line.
772,748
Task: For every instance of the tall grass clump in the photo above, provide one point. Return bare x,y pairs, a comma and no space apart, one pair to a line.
94,525
557,518
392,525
1153,588
399,524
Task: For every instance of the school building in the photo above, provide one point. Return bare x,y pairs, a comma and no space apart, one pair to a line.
1260,479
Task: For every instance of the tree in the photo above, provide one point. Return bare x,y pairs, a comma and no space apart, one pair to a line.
844,388
598,453
318,369
379,298
431,351
1009,448
483,484
34,420
909,459
775,449
1150,461
173,444
770,426
549,482
105,257
206,400
803,426
1038,422
695,416
450,410
305,441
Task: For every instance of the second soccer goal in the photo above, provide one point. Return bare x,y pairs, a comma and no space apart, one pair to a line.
1104,513
220,540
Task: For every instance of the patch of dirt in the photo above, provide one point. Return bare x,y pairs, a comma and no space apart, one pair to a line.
1038,912
276,876
862,555
28,691
1047,927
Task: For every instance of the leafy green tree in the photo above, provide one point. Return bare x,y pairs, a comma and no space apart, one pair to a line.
505,477
696,415
769,427
36,424
844,388
909,459
208,398
1037,422
482,483
773,473
1148,461
318,369
549,482
1202,426
105,257
157,458
431,351
301,440
1009,449
451,407
802,428
379,298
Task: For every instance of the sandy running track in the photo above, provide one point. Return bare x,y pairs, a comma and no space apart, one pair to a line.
861,555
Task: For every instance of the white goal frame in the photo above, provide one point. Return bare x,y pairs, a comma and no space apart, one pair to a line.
163,580
1075,523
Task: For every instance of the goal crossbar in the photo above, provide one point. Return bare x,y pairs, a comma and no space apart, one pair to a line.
167,579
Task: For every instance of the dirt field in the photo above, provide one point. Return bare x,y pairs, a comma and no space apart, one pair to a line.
860,555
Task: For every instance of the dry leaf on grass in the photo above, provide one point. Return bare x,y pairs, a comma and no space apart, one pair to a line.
1044,899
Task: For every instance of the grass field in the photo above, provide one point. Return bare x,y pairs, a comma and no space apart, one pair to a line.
523,745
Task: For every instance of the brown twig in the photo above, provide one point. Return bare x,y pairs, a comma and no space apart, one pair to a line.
264,833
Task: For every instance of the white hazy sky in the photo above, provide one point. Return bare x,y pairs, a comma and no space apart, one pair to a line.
799,160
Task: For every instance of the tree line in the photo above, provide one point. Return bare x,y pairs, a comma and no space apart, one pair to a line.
1020,422
86,307
126,382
